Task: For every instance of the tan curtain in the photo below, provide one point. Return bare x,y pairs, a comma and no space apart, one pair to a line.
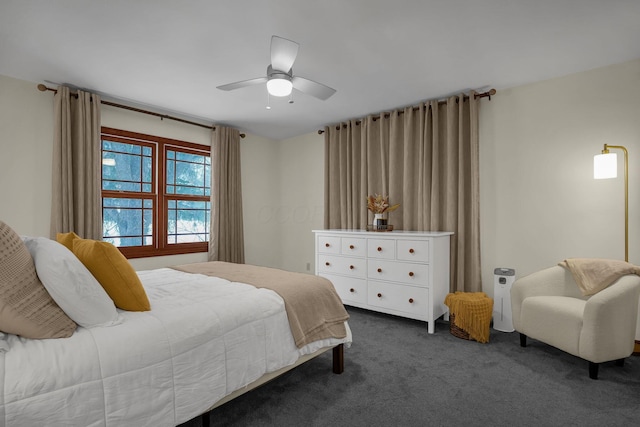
423,157
76,200
227,236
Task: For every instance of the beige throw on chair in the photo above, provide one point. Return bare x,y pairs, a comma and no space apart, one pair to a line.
593,274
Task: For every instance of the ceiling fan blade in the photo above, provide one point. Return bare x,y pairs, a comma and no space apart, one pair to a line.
312,88
283,53
243,83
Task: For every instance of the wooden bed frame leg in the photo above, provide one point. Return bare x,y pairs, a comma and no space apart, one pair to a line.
338,359
206,419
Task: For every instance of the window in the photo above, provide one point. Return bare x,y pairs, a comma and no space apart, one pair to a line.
155,194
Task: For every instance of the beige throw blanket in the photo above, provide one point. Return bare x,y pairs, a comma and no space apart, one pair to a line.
593,275
314,309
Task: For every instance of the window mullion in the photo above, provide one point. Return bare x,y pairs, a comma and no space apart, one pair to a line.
162,202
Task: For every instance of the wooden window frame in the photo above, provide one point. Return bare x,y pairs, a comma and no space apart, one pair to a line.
160,198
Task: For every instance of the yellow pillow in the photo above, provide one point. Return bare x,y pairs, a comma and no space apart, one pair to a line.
67,239
113,271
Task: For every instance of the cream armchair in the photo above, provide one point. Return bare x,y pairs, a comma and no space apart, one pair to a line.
549,307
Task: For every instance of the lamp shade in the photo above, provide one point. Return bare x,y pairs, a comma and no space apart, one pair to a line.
279,86
605,166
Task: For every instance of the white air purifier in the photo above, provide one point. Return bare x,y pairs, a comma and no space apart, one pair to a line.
503,279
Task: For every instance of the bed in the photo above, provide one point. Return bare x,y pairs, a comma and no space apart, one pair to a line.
205,340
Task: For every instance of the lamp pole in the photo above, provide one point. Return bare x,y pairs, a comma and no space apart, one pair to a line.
626,195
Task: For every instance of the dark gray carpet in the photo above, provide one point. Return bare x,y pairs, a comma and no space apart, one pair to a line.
396,374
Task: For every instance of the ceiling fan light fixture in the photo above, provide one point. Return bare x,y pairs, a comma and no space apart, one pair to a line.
280,78
279,85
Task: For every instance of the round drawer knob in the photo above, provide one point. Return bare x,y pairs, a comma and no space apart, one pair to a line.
351,267
327,245
411,274
352,290
379,270
379,295
411,251
351,247
379,249
410,300
327,263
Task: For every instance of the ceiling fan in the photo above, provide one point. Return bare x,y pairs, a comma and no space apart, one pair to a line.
280,79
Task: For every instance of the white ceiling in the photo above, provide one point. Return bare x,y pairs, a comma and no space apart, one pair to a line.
170,55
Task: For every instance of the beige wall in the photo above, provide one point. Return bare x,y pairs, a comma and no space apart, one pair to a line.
301,184
26,129
539,202
260,196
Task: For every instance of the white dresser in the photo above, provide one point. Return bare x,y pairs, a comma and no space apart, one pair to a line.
405,273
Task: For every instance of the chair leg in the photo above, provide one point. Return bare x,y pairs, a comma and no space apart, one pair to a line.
593,370
620,362
523,340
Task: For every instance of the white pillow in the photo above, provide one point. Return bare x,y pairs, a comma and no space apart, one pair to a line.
70,284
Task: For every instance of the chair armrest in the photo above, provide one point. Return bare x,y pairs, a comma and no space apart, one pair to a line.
609,321
552,281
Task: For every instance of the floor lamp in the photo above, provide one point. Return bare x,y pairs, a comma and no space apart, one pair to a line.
605,165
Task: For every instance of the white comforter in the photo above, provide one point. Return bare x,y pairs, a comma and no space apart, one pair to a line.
204,338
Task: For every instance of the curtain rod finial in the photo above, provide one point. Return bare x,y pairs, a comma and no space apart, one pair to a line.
42,88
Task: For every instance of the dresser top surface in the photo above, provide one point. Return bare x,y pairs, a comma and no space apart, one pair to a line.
398,233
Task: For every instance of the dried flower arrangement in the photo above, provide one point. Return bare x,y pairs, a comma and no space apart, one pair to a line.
379,204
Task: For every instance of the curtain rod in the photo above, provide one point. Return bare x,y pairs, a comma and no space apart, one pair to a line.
43,88
486,94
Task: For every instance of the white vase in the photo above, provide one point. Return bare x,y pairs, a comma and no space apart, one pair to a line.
379,222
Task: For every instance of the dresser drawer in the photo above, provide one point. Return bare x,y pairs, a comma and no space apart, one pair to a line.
353,246
350,290
381,248
413,250
393,271
335,264
329,244
405,299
